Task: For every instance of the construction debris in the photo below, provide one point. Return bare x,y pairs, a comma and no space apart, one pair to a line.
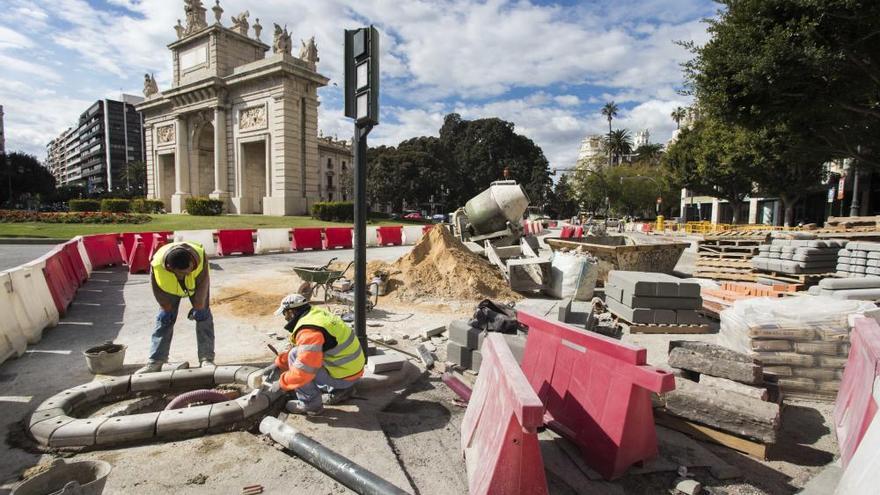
711,359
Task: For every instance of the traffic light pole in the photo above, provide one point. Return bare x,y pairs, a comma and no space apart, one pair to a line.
360,233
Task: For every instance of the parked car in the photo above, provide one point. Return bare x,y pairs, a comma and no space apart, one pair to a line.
414,216
439,218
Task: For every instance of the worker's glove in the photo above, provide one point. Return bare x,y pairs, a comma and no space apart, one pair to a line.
166,317
199,314
274,387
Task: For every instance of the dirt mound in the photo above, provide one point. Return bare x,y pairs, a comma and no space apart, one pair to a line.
441,267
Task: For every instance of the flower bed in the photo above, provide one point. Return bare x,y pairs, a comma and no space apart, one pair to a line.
19,216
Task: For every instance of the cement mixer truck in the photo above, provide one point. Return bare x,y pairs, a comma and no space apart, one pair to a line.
494,215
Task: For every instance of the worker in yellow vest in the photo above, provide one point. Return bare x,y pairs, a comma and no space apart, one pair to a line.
177,270
326,356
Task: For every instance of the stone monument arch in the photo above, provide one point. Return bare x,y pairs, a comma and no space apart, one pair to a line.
239,122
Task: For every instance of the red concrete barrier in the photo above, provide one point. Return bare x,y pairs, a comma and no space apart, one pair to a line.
58,278
390,236
855,406
70,250
578,232
235,241
306,238
103,250
128,239
338,237
159,240
139,260
566,232
499,435
597,392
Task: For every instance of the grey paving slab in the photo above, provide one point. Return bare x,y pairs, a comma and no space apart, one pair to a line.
77,433
183,420
613,291
384,363
641,315
225,374
127,428
689,317
146,382
224,413
662,302
192,378
464,334
476,360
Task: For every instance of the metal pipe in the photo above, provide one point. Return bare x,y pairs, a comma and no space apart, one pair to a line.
327,461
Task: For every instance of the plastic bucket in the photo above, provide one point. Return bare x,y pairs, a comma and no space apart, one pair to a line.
82,477
105,358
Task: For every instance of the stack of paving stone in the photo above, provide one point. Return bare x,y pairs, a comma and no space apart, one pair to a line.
653,298
862,289
464,344
798,256
859,259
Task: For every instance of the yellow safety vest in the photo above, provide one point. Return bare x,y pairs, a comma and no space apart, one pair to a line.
344,360
167,280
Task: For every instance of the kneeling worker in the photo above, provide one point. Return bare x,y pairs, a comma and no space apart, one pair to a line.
326,356
177,270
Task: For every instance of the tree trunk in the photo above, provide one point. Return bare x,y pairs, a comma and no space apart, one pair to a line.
788,204
736,205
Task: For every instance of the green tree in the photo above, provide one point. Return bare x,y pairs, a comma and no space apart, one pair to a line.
609,111
808,65
590,189
649,153
715,159
25,177
562,201
133,179
619,144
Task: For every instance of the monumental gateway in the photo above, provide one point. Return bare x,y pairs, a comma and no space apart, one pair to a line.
240,120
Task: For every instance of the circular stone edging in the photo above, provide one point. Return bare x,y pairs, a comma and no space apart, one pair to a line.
52,426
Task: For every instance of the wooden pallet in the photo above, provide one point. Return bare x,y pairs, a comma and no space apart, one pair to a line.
803,279
705,433
724,263
657,328
725,275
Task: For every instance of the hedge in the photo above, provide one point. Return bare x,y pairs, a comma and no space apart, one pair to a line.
147,206
84,205
204,206
335,211
116,205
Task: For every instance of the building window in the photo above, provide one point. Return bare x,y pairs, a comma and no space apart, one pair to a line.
343,164
331,196
329,181
329,163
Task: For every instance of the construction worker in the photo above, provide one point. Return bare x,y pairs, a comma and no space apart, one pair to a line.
177,270
326,356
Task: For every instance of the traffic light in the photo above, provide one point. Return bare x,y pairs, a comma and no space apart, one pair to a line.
362,75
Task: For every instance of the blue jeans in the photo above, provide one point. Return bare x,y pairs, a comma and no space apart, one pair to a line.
310,393
162,334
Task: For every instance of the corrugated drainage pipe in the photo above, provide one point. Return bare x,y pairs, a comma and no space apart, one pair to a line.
330,463
204,395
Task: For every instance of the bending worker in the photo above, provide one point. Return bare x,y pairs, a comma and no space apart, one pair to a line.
326,356
177,270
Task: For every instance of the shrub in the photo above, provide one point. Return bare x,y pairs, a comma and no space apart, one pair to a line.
336,211
115,205
84,205
204,206
17,216
141,205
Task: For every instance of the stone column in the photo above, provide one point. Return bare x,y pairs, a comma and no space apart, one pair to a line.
753,210
221,164
181,166
716,210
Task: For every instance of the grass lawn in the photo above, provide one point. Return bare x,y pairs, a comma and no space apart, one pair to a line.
166,222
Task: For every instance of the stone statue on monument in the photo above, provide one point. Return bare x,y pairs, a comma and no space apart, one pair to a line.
282,43
309,52
150,86
181,31
240,23
195,15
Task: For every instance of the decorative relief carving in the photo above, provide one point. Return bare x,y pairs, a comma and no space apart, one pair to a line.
253,118
165,134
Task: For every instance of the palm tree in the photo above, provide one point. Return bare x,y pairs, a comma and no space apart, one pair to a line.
650,152
609,111
619,143
678,115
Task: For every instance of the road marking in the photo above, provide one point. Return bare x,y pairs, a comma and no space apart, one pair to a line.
22,399
80,323
42,351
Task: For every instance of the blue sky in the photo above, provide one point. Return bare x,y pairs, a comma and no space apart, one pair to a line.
546,66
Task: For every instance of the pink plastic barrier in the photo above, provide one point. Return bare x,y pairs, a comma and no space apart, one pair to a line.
337,237
235,241
70,250
62,284
578,231
306,238
390,236
567,232
855,406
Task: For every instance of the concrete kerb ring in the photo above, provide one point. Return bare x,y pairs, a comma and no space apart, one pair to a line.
52,426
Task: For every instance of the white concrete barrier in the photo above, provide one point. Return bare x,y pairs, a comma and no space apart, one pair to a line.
32,292
412,234
273,240
203,237
372,236
13,341
84,254
862,474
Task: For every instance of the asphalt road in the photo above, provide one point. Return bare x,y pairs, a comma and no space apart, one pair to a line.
12,255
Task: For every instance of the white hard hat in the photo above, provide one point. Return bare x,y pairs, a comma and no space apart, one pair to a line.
291,301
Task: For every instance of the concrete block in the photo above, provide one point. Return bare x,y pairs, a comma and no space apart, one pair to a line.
116,385
476,360
458,354
42,431
663,302
614,292
193,378
689,317
873,255
128,428
859,254
384,363
464,334
241,376
93,390
528,273
253,403
183,420
224,413
45,415
225,374
427,333
68,400
641,315
858,262
857,269
146,382
77,433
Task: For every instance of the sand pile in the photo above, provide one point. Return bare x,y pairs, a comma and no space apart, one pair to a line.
441,267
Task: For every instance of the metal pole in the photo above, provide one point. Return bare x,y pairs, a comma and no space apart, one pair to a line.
854,205
360,234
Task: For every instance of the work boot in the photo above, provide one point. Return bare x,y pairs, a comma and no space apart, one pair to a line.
207,363
300,407
151,367
338,396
